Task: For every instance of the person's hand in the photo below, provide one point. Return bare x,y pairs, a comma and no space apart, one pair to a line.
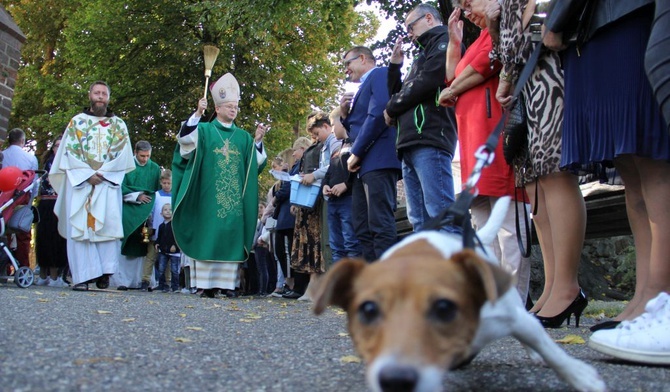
294,210
447,97
345,103
492,14
398,55
390,121
326,190
144,198
504,94
307,179
261,130
95,179
173,249
455,25
353,163
339,189
202,105
553,41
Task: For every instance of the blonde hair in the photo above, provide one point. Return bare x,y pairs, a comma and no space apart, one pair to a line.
302,142
286,156
166,174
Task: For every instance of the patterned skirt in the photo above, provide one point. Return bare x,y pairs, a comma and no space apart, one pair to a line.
544,109
306,252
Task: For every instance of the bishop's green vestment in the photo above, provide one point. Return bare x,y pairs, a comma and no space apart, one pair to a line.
215,193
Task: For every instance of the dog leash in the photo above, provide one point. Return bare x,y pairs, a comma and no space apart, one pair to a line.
458,214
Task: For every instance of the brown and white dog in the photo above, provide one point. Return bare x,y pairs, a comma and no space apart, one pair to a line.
429,306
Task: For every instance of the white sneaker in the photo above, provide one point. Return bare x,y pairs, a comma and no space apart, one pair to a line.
644,339
42,282
57,283
305,297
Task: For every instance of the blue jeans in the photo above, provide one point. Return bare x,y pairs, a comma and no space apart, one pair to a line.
174,270
342,238
429,184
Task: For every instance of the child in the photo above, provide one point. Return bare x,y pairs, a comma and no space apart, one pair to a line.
162,196
337,191
167,251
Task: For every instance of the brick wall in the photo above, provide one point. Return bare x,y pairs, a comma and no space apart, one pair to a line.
11,40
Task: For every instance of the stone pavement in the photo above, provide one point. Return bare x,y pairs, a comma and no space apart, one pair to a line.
60,340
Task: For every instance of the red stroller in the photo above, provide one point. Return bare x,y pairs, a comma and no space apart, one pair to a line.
17,214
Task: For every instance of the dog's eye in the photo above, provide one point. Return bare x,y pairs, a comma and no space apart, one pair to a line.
443,310
368,312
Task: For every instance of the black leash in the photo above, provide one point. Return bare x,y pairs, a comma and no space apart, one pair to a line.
458,214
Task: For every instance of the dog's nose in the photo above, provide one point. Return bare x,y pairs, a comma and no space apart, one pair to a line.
396,378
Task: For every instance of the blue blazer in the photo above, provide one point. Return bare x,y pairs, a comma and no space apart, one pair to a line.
373,141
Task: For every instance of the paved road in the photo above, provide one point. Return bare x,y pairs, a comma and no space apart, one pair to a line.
61,340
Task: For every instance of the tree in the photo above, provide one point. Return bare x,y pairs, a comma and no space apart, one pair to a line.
285,54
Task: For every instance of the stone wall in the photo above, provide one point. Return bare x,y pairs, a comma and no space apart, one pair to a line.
11,40
606,271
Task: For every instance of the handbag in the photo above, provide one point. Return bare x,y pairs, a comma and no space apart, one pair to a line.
515,131
22,219
270,224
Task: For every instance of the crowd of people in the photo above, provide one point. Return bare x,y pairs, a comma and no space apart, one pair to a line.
199,227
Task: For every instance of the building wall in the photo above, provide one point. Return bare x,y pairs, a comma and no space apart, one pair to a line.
11,40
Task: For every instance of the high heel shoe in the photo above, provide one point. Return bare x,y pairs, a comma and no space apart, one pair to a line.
576,307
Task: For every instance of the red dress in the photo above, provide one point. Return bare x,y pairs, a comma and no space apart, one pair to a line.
477,114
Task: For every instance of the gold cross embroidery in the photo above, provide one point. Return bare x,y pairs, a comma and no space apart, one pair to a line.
225,150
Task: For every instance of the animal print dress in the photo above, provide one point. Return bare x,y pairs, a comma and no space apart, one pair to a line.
543,94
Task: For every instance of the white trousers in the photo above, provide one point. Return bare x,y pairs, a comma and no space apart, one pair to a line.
505,245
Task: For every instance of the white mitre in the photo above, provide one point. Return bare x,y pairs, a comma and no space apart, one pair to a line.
226,89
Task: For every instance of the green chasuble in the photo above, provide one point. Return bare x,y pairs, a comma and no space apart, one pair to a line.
146,179
215,194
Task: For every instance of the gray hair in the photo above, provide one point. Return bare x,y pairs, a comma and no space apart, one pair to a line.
424,9
142,145
361,50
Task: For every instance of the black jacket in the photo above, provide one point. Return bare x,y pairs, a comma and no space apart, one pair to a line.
414,102
165,238
565,14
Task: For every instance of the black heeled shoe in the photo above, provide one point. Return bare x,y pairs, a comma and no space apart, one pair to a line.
576,307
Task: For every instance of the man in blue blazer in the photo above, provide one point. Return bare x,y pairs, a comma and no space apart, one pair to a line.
373,153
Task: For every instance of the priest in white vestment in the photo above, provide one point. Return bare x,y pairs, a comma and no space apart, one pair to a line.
87,173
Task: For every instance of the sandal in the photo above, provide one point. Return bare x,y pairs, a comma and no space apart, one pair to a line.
80,287
102,282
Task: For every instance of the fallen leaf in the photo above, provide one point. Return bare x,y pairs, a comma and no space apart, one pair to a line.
350,359
152,302
189,306
104,312
340,312
21,296
182,314
39,293
42,300
253,316
194,328
128,320
342,334
571,339
182,340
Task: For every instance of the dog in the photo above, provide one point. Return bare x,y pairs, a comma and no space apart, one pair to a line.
429,305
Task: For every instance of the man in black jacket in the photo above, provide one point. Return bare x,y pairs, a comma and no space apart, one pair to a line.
426,131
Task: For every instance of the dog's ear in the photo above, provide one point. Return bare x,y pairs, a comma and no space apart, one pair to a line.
495,280
335,287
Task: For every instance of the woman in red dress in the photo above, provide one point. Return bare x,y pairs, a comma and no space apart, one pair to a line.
473,81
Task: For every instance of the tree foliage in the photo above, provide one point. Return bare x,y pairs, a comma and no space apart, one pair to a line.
285,54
